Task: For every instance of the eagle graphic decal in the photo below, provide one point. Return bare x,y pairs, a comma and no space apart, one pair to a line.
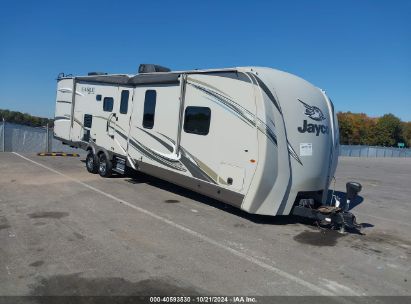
313,112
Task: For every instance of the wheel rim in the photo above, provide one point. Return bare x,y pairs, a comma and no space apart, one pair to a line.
90,162
103,165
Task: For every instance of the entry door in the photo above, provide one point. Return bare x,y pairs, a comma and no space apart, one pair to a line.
154,125
219,130
120,119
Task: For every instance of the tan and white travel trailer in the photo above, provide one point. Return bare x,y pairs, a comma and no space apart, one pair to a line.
256,138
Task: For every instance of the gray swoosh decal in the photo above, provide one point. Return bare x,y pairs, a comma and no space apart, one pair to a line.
147,152
154,156
112,122
61,118
266,90
240,112
293,153
79,122
230,104
188,161
189,165
169,147
245,114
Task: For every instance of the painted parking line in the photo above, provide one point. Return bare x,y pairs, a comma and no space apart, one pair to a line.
251,259
382,218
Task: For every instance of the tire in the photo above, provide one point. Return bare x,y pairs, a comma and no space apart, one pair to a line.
105,166
91,163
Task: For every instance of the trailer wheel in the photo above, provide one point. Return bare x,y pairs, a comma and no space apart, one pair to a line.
91,162
105,166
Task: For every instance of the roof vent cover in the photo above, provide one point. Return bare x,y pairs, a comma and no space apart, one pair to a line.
96,73
151,68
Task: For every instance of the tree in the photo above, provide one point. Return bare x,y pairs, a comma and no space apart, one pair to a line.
388,131
25,119
356,128
360,129
346,128
406,133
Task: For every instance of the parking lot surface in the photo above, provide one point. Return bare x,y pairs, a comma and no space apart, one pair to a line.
64,231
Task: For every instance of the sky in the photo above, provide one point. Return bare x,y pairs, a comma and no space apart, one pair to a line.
359,51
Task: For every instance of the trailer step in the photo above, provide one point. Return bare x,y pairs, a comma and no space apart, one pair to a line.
119,165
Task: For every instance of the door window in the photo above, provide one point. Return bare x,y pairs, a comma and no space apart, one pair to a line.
124,101
149,109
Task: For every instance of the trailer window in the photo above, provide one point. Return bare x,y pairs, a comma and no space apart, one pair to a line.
149,109
197,120
108,104
124,102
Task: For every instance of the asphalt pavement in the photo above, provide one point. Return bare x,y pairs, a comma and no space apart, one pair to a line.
64,231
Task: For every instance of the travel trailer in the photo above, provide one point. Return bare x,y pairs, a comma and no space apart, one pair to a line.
256,138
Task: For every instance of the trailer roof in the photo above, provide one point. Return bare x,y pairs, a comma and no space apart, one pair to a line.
144,78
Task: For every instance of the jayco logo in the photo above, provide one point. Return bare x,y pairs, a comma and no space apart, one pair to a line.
315,114
313,128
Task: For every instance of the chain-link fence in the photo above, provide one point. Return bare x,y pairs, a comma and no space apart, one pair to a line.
20,138
370,151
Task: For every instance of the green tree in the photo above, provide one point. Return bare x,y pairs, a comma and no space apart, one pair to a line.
388,130
25,119
406,133
346,128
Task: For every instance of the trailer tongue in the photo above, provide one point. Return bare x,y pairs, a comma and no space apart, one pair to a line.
333,215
